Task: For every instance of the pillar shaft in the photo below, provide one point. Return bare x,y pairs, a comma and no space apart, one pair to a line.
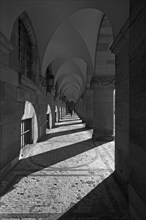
88,106
103,107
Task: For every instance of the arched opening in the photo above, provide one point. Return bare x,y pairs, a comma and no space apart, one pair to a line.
25,56
56,114
60,112
49,118
29,126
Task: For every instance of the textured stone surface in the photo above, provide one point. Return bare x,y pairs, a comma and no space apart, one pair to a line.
103,111
121,49
88,99
137,109
65,176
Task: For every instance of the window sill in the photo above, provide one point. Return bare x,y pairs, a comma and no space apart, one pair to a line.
25,81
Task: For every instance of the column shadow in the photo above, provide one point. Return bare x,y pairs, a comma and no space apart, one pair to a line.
38,162
61,133
69,118
62,125
104,202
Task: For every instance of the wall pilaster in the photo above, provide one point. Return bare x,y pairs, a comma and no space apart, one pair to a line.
103,107
120,48
88,107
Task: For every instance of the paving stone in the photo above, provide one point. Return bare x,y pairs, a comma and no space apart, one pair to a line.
66,176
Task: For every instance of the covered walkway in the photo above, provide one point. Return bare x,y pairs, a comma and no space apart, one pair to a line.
59,56
65,176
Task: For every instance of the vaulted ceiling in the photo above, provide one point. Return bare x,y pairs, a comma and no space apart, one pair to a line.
73,36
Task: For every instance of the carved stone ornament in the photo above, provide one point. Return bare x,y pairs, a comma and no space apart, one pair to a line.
102,81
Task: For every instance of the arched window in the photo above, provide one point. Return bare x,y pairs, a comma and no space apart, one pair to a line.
25,56
49,79
25,53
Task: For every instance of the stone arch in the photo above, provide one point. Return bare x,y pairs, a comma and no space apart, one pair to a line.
104,59
73,30
72,69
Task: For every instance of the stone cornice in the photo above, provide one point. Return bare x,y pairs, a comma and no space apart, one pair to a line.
5,45
102,81
120,38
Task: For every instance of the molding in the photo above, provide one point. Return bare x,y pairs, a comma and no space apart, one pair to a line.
120,38
136,13
8,75
8,167
5,44
28,83
102,81
25,81
28,24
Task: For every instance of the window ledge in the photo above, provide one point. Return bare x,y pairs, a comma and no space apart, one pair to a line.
25,81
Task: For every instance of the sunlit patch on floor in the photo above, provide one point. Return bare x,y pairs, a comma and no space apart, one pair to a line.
62,177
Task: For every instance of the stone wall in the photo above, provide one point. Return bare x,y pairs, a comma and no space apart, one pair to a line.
130,118
137,109
12,103
10,123
121,49
80,109
13,96
88,96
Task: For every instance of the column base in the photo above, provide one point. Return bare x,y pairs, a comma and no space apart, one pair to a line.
88,126
102,138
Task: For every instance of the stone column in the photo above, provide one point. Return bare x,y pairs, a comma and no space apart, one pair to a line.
103,87
79,108
84,110
88,99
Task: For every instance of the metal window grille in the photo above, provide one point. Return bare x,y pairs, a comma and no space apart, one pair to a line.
26,132
25,50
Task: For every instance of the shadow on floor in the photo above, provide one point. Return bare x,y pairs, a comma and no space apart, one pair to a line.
45,160
70,119
52,157
61,133
60,124
107,201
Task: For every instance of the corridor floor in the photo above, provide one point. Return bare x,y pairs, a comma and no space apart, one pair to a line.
65,176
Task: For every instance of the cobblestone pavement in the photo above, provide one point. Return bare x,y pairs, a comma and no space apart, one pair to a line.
65,176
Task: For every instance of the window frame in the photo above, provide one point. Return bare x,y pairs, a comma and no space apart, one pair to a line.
25,50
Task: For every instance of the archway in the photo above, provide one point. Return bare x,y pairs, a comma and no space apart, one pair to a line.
49,117
56,114
29,126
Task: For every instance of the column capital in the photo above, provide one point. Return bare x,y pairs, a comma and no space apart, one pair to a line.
102,81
